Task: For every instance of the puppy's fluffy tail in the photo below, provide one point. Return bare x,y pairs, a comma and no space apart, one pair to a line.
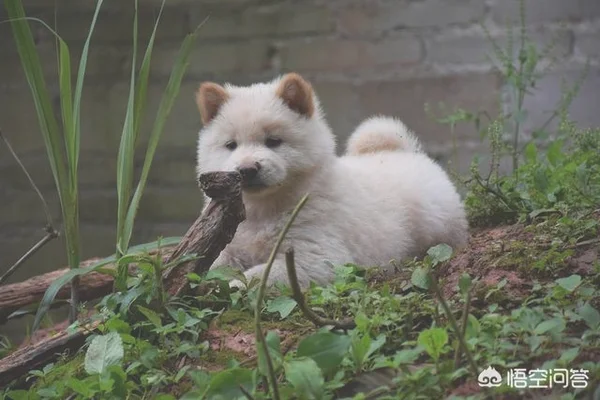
381,133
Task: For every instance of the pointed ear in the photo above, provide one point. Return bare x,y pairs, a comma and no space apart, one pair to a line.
297,94
209,98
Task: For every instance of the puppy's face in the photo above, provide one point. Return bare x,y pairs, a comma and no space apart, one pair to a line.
269,132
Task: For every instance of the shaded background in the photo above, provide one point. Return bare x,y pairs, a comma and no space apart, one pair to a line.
363,57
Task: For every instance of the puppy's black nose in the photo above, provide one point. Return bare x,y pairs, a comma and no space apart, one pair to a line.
249,172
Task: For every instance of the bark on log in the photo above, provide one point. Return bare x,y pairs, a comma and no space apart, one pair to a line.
34,356
21,294
17,295
207,237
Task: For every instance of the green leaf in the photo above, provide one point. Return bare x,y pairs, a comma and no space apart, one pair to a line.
552,325
569,283
421,278
440,253
530,152
590,315
360,348
274,347
104,351
326,348
224,273
554,152
569,355
306,377
283,305
125,158
408,356
151,315
225,385
433,340
57,284
464,284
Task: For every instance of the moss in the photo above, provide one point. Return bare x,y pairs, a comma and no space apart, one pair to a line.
234,320
220,359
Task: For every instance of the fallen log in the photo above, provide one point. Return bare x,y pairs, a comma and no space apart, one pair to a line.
207,237
31,291
34,356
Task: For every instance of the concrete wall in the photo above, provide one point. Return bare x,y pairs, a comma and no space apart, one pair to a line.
364,57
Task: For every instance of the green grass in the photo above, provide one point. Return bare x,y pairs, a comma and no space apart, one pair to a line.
62,140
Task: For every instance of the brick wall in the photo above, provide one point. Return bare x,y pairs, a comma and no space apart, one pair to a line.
364,57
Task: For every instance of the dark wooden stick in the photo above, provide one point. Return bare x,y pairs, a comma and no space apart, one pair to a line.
344,324
209,235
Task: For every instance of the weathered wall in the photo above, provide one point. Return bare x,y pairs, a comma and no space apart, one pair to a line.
364,57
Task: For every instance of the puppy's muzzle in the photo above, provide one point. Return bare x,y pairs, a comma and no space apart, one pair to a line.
249,173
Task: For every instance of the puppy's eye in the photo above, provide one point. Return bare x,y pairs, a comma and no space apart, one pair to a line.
231,145
273,142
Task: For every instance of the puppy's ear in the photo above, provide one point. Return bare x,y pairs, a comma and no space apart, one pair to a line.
209,98
297,94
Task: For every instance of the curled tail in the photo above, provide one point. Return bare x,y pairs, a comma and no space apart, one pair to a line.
381,133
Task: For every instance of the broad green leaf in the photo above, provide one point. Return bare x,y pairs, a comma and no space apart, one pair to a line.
326,348
421,278
553,325
274,348
151,315
224,274
440,253
225,385
104,351
360,348
530,152
590,315
306,377
554,152
408,356
283,305
569,283
569,355
433,340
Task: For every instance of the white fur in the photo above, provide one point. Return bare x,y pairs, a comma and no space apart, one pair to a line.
364,208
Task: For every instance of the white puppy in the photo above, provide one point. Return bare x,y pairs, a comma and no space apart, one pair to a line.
384,200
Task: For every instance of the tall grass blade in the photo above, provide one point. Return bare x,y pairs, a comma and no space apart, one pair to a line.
164,110
126,152
32,67
142,84
79,88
